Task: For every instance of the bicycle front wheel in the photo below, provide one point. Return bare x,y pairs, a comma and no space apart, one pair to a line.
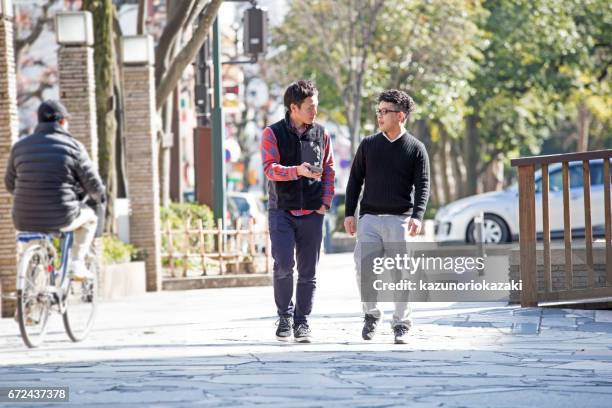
81,304
33,299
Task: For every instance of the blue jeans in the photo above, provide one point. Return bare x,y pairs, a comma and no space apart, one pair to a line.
301,236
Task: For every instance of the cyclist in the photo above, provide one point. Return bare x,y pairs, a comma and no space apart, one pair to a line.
49,173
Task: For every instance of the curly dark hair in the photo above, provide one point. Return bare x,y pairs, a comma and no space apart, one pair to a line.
297,92
400,99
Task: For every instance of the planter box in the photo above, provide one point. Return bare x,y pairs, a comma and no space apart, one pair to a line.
242,267
124,279
217,281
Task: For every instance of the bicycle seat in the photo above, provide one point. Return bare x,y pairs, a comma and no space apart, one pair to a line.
33,236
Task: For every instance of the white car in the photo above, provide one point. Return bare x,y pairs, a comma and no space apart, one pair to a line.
455,221
249,208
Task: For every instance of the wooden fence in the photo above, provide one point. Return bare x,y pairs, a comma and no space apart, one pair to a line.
192,249
527,228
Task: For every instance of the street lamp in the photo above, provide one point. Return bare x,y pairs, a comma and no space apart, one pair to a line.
74,28
6,9
138,50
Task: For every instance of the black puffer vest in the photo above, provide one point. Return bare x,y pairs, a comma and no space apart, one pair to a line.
303,193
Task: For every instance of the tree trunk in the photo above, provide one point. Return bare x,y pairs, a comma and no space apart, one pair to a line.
104,61
167,114
356,125
352,136
164,153
458,168
583,123
142,17
356,104
424,135
176,153
120,164
493,179
445,165
470,154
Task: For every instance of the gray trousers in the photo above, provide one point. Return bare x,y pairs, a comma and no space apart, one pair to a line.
378,232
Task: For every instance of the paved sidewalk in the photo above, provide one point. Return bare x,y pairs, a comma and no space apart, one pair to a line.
216,348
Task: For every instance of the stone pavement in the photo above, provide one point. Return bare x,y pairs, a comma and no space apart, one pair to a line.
216,348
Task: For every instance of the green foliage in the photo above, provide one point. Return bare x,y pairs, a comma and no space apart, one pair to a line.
517,69
112,249
179,213
176,215
115,251
430,212
339,227
428,49
538,56
431,50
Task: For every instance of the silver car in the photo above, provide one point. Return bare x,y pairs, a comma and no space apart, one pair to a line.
455,221
248,208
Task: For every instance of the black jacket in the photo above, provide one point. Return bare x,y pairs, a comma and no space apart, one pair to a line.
49,173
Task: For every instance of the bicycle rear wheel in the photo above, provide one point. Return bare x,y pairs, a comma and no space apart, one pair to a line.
81,304
33,299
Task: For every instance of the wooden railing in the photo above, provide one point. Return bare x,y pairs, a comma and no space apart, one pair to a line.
192,249
527,228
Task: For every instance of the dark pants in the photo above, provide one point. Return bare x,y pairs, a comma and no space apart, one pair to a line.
300,236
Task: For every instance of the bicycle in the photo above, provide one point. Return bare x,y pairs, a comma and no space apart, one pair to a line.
44,286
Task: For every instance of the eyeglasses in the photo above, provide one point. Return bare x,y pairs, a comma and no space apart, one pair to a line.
383,112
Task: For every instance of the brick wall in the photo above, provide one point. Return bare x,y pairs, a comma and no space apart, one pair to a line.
8,134
142,167
78,94
579,276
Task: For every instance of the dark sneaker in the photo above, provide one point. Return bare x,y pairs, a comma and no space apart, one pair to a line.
301,333
401,334
369,327
283,332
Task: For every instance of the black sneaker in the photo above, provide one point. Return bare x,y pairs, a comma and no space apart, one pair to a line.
301,333
283,333
369,327
401,334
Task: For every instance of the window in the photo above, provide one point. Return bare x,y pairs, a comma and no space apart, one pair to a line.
555,178
242,205
555,181
597,173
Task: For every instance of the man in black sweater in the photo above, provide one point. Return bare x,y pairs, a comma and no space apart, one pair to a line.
394,167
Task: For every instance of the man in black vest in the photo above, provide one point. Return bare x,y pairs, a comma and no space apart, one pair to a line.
298,162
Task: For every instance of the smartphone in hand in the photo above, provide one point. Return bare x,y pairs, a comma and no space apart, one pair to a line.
315,169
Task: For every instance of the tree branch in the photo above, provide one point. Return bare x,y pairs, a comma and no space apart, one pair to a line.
178,16
37,93
187,54
482,167
36,31
193,14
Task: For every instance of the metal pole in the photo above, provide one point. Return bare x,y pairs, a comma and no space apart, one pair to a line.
203,84
218,131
